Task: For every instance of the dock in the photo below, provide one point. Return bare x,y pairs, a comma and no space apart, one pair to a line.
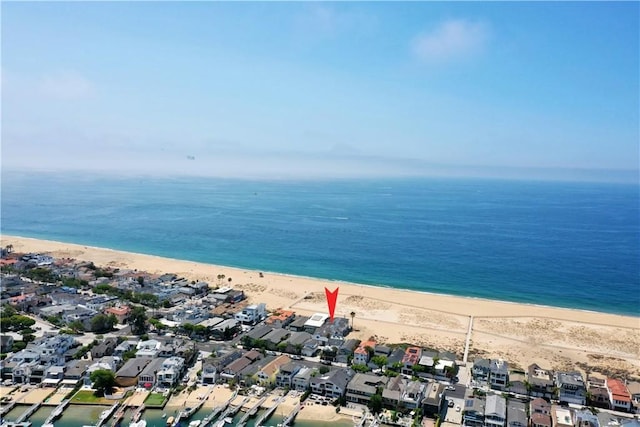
118,417
104,417
188,413
251,412
56,413
16,424
233,410
292,416
26,414
136,415
218,410
264,417
5,409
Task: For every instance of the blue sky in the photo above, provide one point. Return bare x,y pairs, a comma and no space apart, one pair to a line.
326,89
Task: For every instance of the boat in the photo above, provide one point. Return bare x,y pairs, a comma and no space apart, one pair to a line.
170,421
195,423
141,423
164,415
228,420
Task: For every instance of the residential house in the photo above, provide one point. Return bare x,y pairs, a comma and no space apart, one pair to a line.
275,337
395,356
332,384
481,371
281,318
362,386
432,401
540,420
122,313
562,417
310,348
499,374
495,411
540,382
411,357
149,348
259,332
301,380
296,341
571,387
124,347
252,314
105,347
53,376
267,374
334,331
170,372
148,377
298,324
209,373
516,414
75,371
619,396
284,377
225,330
634,390
540,406
585,418
403,393
361,354
231,372
128,374
346,349
315,322
473,413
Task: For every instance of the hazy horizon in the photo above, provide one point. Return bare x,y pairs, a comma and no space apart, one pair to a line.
336,90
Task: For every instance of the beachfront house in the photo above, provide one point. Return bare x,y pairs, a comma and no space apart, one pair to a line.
481,371
314,322
571,387
267,374
411,357
332,384
333,333
301,381
540,381
499,374
362,386
281,318
53,376
148,377
619,396
284,377
209,373
252,314
127,375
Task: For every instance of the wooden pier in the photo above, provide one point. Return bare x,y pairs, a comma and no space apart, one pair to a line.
251,412
26,414
292,416
264,417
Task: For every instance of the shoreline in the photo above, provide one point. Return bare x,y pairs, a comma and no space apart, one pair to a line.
339,282
521,333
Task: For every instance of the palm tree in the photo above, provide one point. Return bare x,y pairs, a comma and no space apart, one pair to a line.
353,314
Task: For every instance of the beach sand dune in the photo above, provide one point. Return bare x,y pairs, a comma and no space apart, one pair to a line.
520,333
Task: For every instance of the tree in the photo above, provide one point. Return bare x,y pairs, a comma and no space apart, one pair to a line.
379,360
138,320
76,326
353,314
323,369
375,404
103,323
103,381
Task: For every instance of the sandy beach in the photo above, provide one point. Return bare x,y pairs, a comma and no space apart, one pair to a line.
554,338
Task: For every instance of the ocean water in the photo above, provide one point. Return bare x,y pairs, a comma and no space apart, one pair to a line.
563,244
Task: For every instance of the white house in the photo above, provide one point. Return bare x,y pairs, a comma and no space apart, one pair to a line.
252,314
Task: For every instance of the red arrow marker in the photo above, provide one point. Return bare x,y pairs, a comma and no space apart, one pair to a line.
332,299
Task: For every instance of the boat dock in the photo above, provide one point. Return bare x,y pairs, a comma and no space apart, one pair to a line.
251,412
5,409
233,410
16,424
117,419
292,416
264,417
26,414
136,415
104,417
55,414
187,413
218,410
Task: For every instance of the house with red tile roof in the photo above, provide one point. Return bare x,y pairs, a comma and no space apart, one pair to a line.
121,313
361,354
618,395
411,357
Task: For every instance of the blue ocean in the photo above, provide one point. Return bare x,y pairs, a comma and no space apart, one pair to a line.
566,244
